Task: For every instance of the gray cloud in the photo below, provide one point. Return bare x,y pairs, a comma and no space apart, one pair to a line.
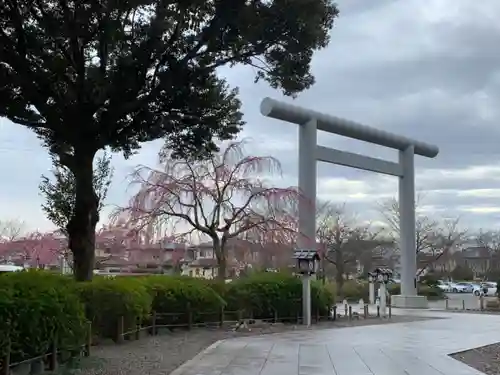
427,70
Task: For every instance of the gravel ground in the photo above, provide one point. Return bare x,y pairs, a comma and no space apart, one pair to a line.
485,358
160,355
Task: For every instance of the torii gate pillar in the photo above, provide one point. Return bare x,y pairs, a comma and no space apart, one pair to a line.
309,153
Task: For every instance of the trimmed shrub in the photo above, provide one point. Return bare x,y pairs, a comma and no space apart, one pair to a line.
179,294
262,295
430,292
36,307
108,300
429,280
353,290
6,311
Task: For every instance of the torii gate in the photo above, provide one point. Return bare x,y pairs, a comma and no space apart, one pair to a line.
309,152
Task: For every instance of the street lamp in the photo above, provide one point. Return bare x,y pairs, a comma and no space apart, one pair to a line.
307,261
307,265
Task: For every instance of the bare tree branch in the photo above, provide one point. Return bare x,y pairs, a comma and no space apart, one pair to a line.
10,230
221,197
343,237
447,235
425,227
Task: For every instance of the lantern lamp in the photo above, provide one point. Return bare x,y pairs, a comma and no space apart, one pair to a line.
307,261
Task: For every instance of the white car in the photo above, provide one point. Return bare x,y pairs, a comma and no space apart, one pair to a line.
459,288
485,289
443,285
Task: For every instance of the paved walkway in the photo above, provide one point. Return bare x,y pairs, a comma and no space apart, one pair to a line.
417,348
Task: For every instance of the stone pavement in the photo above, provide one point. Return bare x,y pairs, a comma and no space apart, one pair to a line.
417,348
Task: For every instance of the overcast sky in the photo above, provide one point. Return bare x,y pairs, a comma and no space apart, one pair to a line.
429,70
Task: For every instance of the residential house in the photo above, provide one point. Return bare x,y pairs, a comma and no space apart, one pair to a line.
432,262
479,259
158,258
201,260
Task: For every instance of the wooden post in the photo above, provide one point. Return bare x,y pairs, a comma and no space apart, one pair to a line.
390,311
53,354
222,316
378,311
153,323
36,367
190,317
88,342
350,312
463,304
120,327
334,312
481,303
5,368
365,311
446,304
138,328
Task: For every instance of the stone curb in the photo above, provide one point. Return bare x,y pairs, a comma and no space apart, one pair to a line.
460,309
185,366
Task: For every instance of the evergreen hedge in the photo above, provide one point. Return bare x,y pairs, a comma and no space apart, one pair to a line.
38,307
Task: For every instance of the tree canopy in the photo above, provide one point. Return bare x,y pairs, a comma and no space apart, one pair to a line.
117,73
87,75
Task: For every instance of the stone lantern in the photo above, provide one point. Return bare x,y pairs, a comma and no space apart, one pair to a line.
307,265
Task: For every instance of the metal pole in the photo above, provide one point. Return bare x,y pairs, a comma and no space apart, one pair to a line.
307,204
306,300
407,223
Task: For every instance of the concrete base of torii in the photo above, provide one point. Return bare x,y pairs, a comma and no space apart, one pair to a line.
409,302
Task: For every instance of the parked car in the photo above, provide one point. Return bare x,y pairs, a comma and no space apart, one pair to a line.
466,287
460,288
10,268
443,285
485,289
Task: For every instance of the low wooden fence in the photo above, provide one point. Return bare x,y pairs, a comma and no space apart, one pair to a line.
189,320
50,360
186,320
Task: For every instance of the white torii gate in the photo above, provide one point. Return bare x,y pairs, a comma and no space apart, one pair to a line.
309,152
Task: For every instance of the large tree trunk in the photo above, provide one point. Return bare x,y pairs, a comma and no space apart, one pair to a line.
221,257
339,280
340,268
81,227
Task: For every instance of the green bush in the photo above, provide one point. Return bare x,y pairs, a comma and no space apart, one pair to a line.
429,280
432,292
353,290
261,295
36,307
179,294
108,300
